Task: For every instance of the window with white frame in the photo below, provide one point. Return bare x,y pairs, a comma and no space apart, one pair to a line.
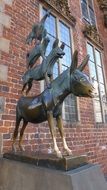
88,11
56,28
96,74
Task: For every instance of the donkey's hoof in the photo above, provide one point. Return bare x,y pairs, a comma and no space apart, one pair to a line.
14,149
58,154
69,153
21,148
24,94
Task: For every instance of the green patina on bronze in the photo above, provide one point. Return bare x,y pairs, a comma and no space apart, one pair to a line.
48,105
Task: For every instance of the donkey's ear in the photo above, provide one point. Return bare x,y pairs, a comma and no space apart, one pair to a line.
62,46
84,63
74,61
55,44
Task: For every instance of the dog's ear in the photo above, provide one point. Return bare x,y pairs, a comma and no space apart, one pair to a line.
55,43
62,46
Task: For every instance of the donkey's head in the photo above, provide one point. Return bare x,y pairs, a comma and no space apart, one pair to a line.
80,83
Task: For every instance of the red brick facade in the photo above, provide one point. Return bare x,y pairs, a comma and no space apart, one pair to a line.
83,137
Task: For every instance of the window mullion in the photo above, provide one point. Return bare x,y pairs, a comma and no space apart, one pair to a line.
98,87
58,36
59,61
104,87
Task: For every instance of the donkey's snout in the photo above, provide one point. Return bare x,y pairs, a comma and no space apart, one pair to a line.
92,92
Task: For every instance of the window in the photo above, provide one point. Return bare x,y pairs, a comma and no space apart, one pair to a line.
57,29
96,74
88,11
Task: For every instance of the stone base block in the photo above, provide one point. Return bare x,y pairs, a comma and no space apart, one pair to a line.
15,175
48,160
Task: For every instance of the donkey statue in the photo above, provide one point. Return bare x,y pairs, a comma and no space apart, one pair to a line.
38,30
47,105
41,71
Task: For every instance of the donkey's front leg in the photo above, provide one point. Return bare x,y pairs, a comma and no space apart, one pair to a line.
53,133
60,127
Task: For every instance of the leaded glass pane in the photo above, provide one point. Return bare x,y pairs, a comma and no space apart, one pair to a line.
92,70
88,11
102,92
98,112
92,16
90,52
104,101
96,72
64,34
95,84
66,61
105,110
50,24
49,48
70,109
98,58
100,74
84,9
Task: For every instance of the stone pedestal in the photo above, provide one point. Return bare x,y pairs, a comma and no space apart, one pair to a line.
65,163
16,175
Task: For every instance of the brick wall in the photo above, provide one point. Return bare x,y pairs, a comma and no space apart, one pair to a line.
84,137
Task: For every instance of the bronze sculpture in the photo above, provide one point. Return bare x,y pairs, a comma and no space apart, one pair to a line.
36,52
38,30
45,69
48,104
